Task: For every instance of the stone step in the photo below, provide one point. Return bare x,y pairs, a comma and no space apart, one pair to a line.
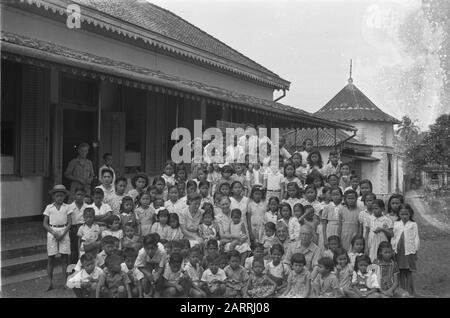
9,280
24,264
23,249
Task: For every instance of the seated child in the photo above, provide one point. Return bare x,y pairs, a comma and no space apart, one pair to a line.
134,275
131,239
258,252
299,279
194,272
208,229
151,261
89,232
214,277
162,227
173,277
113,283
240,240
212,247
236,276
358,245
110,246
259,285
334,242
326,284
174,232
364,280
276,270
84,282
343,269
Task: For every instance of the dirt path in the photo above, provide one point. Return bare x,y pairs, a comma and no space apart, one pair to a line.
433,276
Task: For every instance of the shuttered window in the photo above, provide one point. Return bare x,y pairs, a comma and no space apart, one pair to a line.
34,153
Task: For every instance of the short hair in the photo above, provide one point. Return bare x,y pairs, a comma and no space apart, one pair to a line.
80,189
110,240
112,260
258,246
87,257
212,242
257,188
106,155
379,203
194,197
83,145
350,191
364,198
203,183
327,263
98,191
270,226
150,239
88,210
334,238
227,169
129,252
287,205
236,212
136,177
175,258
113,218
185,243
384,244
191,184
338,189
354,176
298,258
234,253
258,260
277,247
406,206
358,237
195,250
163,212
105,170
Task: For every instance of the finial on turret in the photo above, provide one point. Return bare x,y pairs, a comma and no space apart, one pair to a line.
350,79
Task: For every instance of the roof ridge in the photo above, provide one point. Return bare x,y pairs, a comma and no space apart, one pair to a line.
204,32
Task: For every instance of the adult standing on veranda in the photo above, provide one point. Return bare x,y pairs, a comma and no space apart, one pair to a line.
80,171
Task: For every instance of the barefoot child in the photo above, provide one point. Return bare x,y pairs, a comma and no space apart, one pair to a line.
84,283
299,279
57,222
259,285
214,277
114,283
236,276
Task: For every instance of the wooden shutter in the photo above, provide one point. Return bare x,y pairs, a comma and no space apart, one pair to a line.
34,153
113,138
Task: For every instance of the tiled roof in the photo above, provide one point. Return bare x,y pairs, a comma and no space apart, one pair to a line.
326,137
155,19
350,104
43,50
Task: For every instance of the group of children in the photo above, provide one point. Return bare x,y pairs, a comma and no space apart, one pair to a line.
233,231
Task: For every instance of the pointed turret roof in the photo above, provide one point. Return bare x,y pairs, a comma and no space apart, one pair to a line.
350,104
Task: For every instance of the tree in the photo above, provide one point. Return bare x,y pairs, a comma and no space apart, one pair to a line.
407,129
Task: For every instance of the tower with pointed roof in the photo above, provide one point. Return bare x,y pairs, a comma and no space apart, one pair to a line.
375,129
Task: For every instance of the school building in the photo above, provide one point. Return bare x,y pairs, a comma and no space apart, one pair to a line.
372,150
122,81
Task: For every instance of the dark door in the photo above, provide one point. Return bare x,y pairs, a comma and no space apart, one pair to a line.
78,126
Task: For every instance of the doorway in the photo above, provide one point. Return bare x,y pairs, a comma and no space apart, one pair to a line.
78,126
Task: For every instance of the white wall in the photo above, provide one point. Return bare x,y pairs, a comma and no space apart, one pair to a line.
33,26
375,133
22,197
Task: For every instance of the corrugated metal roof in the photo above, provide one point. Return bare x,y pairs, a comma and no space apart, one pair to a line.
325,137
350,104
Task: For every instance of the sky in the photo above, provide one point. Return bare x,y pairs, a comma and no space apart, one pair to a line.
310,44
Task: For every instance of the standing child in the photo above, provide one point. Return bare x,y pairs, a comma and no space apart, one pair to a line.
174,233
257,208
237,276
305,215
277,270
273,213
107,185
315,162
239,175
169,174
366,214
107,164
300,170
326,284
57,222
240,202
89,233
102,210
224,189
293,195
116,200
380,229
365,187
290,221
350,215
78,206
145,214
393,207
161,188
289,176
387,272
274,182
203,189
173,204
255,175
406,244
139,182
358,246
214,277
227,172
84,283
114,228
332,216
181,174
259,285
299,279
161,226
127,213
258,252
214,176
364,280
334,243
269,238
113,283
344,180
